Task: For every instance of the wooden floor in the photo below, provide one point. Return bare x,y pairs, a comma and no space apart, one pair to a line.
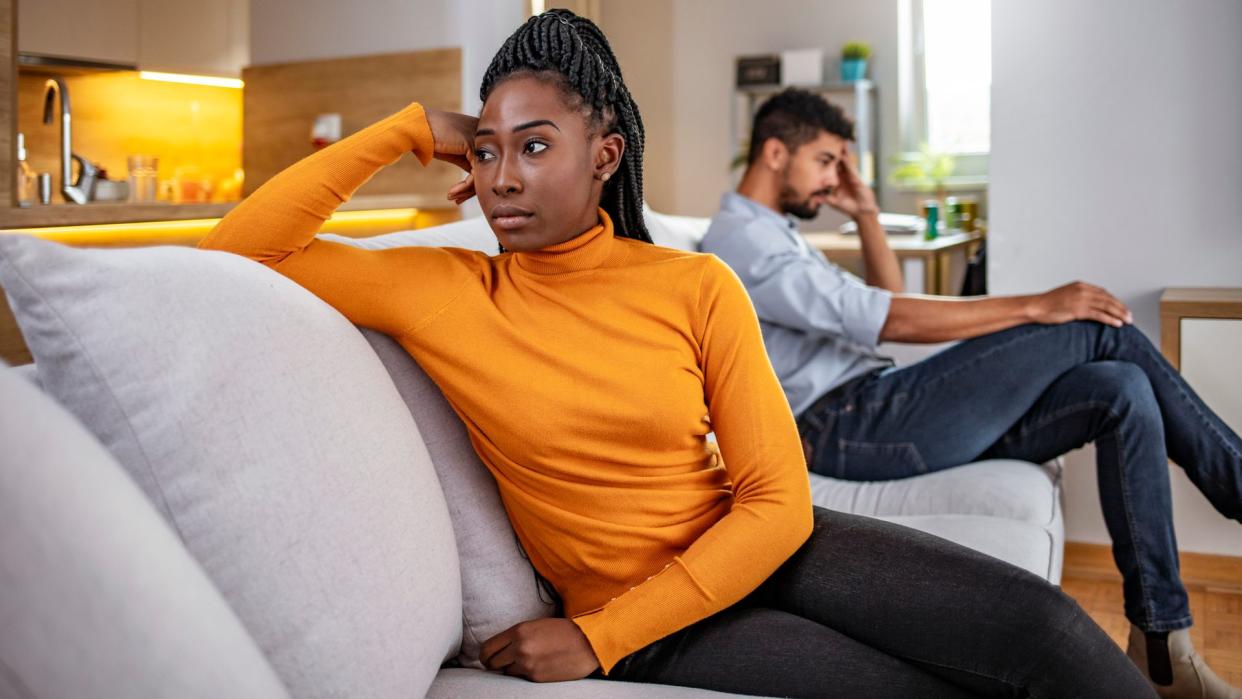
1217,633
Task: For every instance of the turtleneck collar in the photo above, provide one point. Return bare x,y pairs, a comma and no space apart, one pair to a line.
588,250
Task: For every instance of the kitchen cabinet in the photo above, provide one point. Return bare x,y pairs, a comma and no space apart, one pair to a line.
180,36
96,30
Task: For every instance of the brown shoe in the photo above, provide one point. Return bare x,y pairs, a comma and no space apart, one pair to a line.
1175,669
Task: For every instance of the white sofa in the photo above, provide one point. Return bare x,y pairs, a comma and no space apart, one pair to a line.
213,486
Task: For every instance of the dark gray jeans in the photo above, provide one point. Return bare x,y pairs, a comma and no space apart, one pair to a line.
1035,392
868,608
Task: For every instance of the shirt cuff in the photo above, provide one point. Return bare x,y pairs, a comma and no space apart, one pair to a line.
866,314
424,141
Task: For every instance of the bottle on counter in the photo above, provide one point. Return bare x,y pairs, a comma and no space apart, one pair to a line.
26,181
952,214
931,213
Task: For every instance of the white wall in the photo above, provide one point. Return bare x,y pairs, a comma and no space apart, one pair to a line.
692,164
1117,158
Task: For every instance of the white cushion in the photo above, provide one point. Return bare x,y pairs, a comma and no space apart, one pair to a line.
264,428
470,233
99,597
682,232
1025,545
998,488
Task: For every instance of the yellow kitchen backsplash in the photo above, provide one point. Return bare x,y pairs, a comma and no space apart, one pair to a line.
194,130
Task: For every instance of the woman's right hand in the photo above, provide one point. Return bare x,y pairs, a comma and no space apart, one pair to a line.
453,134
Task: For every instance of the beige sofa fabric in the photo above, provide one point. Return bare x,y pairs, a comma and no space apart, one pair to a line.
261,424
97,596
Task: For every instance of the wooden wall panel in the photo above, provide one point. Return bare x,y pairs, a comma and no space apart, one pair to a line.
12,347
281,102
8,102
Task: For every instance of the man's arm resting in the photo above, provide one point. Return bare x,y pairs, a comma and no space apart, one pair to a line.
927,319
883,269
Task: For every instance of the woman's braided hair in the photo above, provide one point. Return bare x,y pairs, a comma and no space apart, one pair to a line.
573,52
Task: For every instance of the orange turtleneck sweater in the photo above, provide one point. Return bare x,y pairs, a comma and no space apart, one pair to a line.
586,374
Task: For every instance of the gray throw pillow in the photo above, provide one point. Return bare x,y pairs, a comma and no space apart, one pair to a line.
267,432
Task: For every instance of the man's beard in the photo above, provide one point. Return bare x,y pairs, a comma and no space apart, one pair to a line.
802,208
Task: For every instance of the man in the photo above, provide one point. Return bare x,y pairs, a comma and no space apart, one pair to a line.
1035,377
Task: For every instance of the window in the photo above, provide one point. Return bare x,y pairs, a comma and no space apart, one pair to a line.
957,65
949,81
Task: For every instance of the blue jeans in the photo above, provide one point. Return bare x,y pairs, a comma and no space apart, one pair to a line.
1035,392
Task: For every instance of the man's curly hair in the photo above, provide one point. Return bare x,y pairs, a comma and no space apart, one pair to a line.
795,117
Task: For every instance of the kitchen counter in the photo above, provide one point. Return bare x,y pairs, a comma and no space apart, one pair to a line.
130,225
39,216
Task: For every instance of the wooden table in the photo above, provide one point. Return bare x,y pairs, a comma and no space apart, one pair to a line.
935,255
1179,304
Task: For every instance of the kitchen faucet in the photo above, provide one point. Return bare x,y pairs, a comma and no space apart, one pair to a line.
78,192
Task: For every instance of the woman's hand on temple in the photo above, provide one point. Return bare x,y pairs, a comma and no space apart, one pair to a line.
541,650
462,191
453,134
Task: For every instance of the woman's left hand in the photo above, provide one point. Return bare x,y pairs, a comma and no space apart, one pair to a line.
541,650
462,191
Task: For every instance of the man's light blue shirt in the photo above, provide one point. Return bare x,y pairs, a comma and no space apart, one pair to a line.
820,323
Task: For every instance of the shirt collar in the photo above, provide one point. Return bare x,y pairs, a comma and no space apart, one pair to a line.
744,205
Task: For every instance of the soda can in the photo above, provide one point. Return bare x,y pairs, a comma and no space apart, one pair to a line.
931,212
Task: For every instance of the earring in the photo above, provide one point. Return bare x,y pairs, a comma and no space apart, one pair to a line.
604,177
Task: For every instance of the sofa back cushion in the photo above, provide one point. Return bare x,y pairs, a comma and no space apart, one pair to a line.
100,599
262,426
681,232
498,584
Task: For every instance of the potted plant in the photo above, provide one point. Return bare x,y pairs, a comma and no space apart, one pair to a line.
854,57
924,171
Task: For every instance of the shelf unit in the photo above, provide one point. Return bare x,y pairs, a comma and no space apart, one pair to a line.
858,99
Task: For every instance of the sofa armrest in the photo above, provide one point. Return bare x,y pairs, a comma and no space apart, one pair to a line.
29,373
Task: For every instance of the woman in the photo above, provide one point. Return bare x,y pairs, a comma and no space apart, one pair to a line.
587,365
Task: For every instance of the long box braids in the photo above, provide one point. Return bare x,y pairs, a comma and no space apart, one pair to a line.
571,50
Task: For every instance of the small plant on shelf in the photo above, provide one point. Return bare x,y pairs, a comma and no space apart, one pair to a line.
856,51
854,57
